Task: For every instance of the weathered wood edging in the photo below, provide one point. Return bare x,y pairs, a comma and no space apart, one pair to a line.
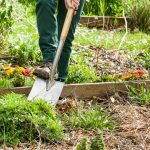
107,22
87,90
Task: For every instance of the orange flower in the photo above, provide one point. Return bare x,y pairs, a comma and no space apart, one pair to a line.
140,73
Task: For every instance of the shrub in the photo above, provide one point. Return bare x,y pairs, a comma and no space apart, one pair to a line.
23,121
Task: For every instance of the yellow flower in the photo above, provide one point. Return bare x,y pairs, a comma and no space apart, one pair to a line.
9,71
126,76
6,66
19,69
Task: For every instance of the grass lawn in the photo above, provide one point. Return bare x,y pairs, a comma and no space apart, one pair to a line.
111,39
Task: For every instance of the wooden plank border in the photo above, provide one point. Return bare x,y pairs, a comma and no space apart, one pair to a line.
107,22
88,90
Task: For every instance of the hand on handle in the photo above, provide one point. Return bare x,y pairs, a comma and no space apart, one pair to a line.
74,4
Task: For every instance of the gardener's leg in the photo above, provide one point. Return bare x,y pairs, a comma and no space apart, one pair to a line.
47,28
65,56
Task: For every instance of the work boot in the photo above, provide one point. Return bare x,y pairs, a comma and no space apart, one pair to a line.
43,71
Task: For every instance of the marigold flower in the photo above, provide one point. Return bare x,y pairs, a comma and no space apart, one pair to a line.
9,71
19,69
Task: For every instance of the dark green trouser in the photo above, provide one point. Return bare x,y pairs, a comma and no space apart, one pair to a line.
50,26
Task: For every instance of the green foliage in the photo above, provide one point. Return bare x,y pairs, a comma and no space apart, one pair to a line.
29,82
18,80
81,73
108,78
79,69
18,32
139,11
97,143
83,145
24,39
140,96
6,23
5,83
28,2
103,7
111,40
24,121
88,119
25,53
144,58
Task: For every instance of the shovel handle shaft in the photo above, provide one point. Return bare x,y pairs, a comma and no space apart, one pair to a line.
63,37
67,24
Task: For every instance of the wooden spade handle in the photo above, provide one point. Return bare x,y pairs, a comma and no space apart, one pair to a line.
67,24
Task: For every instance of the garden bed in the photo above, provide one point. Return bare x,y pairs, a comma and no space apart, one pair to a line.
83,91
132,125
106,22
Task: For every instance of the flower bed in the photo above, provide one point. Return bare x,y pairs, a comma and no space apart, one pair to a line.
15,76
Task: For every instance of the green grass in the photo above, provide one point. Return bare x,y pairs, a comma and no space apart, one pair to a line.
140,96
97,143
9,82
25,121
5,83
81,73
83,145
88,119
136,41
91,144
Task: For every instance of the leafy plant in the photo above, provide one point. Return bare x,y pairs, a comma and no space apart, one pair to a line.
6,23
18,80
139,11
97,143
81,73
25,53
144,58
83,145
103,7
140,96
94,144
5,83
17,76
24,121
88,119
108,78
